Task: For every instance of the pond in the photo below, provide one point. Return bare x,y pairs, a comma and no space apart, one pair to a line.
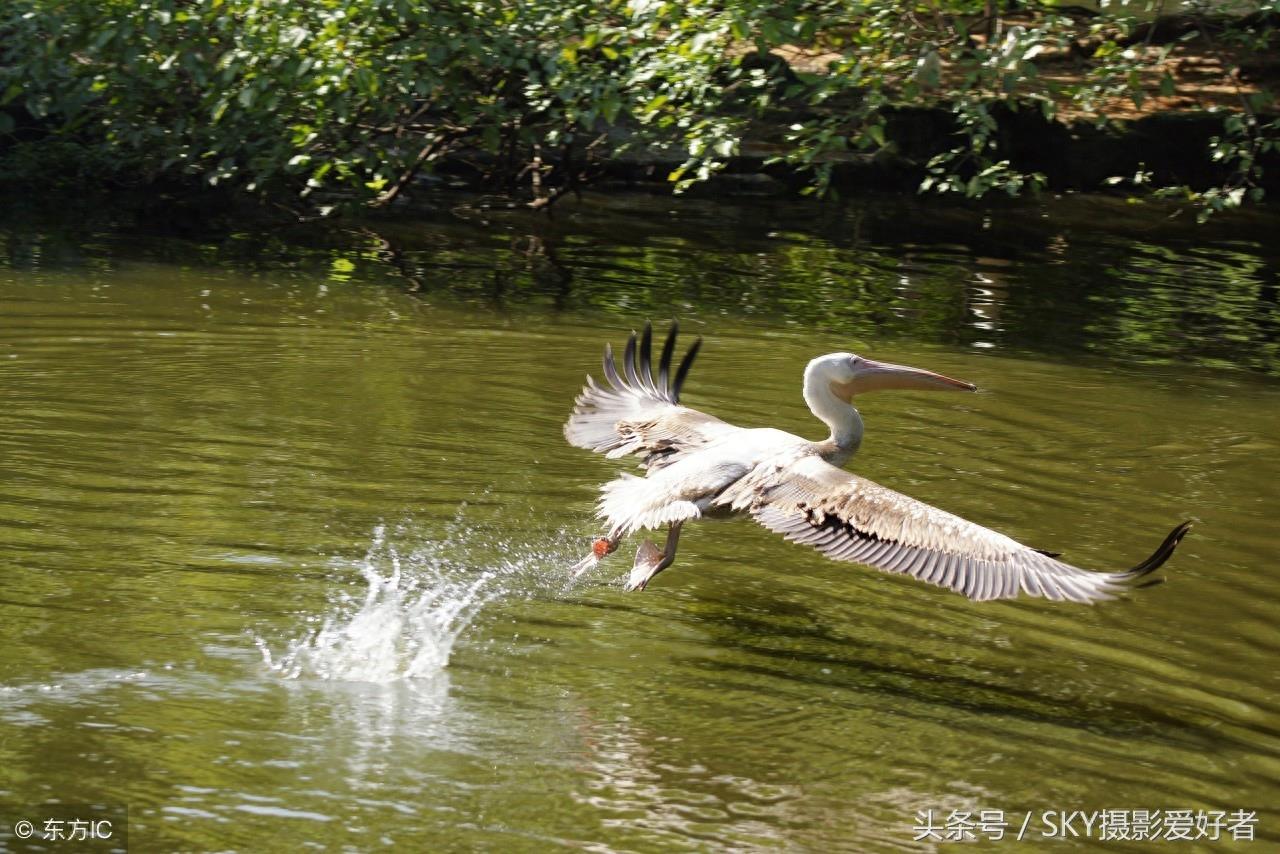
285,522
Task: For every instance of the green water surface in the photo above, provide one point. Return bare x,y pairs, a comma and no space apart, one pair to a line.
285,523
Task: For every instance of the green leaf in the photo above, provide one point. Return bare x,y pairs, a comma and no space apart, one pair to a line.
609,108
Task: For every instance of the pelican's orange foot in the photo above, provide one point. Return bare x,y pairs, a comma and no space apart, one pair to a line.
602,547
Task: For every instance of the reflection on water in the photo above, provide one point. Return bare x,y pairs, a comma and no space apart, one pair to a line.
1219,303
636,791
198,436
1071,276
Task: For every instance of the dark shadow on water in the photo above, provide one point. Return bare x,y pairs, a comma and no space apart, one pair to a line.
1074,276
937,687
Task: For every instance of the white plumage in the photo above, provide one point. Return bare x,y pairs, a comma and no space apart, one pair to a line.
698,465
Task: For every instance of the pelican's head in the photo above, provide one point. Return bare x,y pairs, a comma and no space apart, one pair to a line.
846,375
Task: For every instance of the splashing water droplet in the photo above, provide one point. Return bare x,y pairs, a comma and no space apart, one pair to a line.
415,607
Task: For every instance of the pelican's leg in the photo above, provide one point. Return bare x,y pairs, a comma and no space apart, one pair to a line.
601,548
650,561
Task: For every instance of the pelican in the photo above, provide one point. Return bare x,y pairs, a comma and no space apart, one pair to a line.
699,466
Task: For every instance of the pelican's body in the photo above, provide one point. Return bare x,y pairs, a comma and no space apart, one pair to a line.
698,465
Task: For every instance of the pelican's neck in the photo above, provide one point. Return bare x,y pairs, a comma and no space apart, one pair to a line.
841,417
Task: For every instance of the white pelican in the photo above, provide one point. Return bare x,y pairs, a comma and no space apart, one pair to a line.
698,465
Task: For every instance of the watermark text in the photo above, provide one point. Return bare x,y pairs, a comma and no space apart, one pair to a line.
1108,825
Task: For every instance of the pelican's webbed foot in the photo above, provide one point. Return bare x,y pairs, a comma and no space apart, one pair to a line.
650,561
601,548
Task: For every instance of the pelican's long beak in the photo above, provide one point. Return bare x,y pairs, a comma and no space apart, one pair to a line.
882,376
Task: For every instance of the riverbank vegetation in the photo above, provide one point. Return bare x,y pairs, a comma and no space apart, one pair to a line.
317,105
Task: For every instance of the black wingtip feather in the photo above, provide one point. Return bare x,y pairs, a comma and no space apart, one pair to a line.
1161,554
611,368
685,364
637,365
629,362
664,367
646,358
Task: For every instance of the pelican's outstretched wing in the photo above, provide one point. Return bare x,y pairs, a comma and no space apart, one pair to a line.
847,517
638,413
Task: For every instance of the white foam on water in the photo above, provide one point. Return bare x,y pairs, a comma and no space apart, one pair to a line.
415,606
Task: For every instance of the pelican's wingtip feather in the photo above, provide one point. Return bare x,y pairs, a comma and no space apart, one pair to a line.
610,368
685,364
664,366
629,362
1162,553
646,359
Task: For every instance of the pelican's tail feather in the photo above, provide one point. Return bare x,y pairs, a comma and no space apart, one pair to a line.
629,503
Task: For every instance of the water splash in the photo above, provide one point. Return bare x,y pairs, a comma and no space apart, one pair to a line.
415,606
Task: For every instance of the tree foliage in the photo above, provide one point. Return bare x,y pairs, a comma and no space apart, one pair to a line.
354,94
297,100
